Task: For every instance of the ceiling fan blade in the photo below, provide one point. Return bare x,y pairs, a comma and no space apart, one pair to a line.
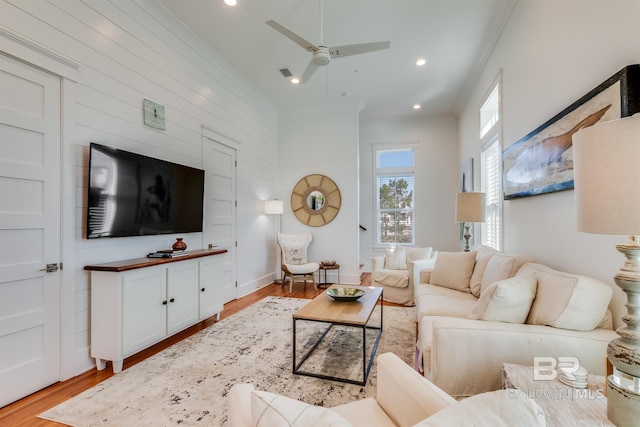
311,68
355,49
306,44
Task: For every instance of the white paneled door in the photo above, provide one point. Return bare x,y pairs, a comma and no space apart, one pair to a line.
29,229
220,208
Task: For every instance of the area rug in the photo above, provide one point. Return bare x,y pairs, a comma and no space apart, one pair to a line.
187,383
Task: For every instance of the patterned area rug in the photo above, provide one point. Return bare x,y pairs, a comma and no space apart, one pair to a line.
187,383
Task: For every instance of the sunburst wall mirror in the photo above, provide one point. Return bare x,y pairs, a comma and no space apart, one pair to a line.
315,200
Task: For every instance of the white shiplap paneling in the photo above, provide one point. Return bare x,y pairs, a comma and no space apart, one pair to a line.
129,50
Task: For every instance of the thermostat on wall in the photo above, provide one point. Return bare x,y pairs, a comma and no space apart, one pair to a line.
153,115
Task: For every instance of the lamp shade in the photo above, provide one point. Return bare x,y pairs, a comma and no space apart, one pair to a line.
607,177
273,207
471,207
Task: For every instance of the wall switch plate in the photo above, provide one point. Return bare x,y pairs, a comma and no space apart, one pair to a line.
153,115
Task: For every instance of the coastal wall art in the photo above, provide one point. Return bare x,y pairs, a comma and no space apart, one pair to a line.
542,161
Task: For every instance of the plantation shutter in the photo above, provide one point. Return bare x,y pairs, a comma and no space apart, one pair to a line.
491,185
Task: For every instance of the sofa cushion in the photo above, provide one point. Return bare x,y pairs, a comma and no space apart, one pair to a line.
441,305
502,266
453,270
482,259
506,408
395,259
273,410
508,300
567,301
393,278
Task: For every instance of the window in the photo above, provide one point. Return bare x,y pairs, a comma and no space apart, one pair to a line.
491,167
394,183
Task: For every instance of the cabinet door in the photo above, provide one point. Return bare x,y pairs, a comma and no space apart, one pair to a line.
143,310
182,294
211,285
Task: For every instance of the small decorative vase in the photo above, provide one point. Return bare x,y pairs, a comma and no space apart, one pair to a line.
179,245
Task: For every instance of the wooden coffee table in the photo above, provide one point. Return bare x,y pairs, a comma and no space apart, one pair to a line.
355,314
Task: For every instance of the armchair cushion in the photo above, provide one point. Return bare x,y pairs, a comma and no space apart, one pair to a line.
393,278
453,270
508,300
273,410
567,301
506,408
395,259
295,255
417,254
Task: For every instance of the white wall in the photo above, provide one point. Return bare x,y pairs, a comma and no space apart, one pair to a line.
129,50
552,53
317,141
436,179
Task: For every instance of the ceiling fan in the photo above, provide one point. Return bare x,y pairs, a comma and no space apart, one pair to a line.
321,55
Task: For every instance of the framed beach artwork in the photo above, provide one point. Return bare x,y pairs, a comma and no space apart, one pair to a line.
542,161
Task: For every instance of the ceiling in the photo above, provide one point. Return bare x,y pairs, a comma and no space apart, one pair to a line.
454,36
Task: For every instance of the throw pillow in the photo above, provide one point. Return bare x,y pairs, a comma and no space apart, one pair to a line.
453,270
567,301
502,266
272,410
415,254
502,408
482,259
295,256
395,259
508,300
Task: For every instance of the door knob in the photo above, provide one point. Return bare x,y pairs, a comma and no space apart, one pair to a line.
50,268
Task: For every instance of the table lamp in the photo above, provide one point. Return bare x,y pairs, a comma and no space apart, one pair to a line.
470,207
607,192
275,207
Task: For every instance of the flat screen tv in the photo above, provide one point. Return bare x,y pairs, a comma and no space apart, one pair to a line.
135,195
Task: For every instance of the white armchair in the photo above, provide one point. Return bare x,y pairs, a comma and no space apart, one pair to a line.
295,264
395,272
403,398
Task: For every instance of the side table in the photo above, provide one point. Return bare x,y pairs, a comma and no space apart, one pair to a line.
324,267
562,405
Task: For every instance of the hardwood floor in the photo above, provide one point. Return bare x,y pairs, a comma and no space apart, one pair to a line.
24,412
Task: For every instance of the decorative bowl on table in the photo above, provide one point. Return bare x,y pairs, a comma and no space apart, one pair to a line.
328,262
345,294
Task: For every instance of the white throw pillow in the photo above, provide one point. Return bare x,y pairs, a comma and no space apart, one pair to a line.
508,300
502,408
502,266
297,256
273,410
395,259
453,270
567,301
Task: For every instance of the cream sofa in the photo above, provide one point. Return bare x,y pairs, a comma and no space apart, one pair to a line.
403,398
391,271
478,310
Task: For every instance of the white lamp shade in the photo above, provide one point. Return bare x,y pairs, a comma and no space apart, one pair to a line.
471,207
607,177
273,207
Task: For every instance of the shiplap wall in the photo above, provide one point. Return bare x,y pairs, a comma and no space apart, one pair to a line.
129,50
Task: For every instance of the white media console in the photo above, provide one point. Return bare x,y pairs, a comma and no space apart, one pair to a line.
137,303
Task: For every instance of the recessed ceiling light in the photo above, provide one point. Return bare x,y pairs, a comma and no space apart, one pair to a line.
230,2
420,62
295,80
417,106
